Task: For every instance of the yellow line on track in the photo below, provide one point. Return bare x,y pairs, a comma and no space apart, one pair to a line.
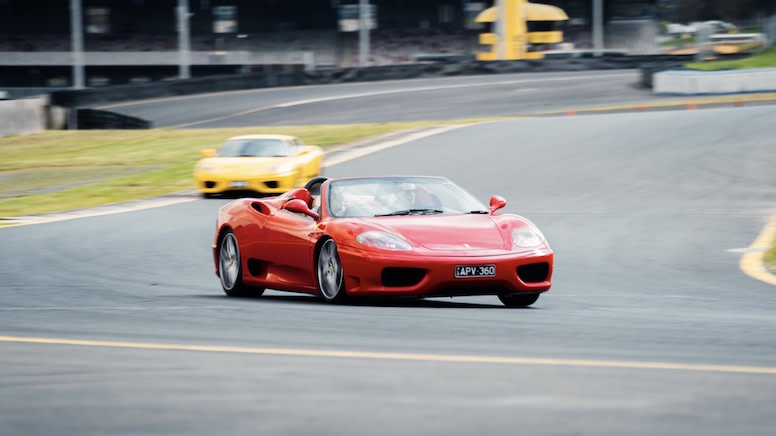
448,358
752,262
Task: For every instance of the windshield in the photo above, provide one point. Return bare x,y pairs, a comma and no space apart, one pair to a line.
255,148
386,196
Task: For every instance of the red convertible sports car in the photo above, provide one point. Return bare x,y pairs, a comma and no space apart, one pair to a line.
380,236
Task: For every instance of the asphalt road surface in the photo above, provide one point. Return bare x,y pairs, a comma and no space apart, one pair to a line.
117,325
405,100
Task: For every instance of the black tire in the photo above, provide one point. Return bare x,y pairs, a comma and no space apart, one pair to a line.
230,268
518,300
331,280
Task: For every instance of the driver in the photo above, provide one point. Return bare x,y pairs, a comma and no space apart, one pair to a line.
408,196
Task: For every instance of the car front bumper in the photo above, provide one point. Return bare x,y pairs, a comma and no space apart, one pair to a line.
211,183
403,274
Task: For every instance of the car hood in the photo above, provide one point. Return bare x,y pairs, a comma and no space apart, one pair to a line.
249,165
446,232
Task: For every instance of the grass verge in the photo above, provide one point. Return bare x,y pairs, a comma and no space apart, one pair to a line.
62,170
763,59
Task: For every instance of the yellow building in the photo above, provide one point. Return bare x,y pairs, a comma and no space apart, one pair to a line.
518,25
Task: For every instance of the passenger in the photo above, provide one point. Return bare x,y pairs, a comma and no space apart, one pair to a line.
385,198
408,196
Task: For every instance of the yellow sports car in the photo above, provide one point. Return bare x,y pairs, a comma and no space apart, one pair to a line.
267,164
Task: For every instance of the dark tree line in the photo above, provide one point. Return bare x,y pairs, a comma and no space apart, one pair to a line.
728,10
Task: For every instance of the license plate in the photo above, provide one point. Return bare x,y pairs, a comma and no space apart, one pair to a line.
239,184
463,271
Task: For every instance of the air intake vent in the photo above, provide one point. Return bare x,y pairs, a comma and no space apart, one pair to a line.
402,277
257,268
534,273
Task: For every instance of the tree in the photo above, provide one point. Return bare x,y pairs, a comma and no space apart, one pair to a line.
702,10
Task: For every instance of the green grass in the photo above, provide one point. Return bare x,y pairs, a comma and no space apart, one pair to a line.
62,170
770,258
763,59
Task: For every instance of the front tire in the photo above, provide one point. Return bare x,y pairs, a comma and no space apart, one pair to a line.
230,268
331,283
518,300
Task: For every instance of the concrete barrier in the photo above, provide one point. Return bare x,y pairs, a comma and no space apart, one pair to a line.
25,116
691,82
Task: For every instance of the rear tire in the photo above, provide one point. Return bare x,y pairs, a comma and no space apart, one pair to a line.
331,280
518,299
230,268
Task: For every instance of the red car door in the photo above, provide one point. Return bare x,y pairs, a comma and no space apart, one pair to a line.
288,245
250,231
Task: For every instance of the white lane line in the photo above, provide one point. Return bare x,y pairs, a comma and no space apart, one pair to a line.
370,355
386,92
352,84
357,152
97,211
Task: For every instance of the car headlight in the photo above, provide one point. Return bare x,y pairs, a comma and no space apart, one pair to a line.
527,237
284,169
384,240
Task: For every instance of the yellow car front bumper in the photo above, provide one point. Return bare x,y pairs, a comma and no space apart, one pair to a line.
214,183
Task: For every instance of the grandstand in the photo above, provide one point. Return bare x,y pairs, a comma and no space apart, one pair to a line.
264,35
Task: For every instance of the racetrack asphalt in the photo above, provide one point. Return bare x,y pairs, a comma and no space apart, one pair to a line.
751,262
116,324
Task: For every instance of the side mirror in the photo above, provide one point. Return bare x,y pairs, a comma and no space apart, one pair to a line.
496,203
299,206
208,152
